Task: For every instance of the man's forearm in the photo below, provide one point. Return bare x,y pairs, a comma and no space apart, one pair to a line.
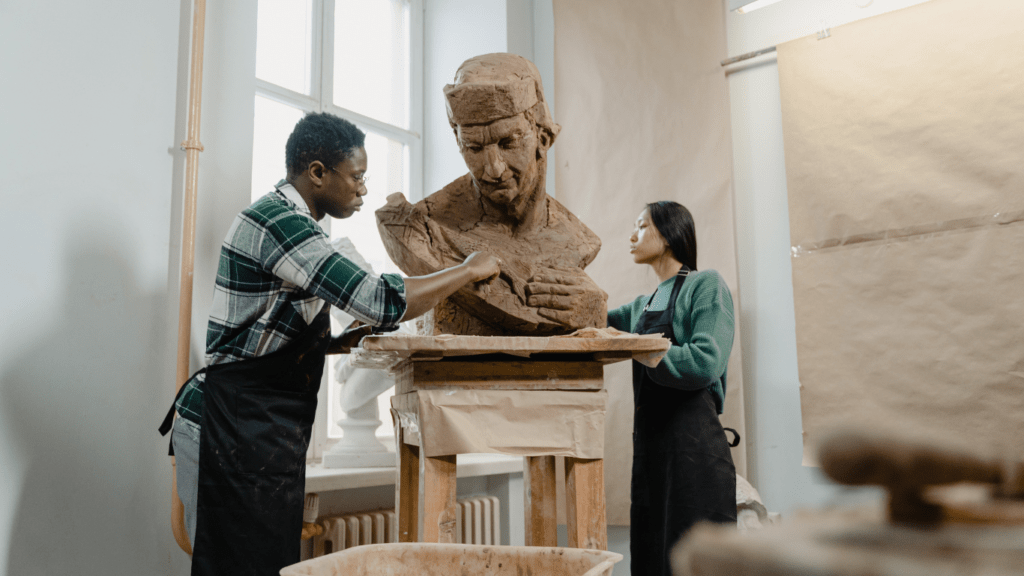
423,293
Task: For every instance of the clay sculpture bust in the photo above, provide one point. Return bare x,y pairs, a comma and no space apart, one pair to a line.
504,129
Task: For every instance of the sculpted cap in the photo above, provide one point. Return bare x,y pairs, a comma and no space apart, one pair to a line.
492,87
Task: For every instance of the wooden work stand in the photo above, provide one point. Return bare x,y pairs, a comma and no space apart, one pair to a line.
529,365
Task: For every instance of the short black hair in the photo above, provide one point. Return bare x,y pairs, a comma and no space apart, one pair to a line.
324,137
675,224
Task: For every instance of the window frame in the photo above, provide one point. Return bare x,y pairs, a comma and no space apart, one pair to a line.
321,99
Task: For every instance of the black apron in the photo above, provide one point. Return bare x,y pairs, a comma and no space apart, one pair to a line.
256,425
682,469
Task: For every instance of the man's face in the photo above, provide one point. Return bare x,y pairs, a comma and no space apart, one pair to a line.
343,188
502,157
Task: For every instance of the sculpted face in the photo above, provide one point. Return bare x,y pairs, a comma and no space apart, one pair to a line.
502,157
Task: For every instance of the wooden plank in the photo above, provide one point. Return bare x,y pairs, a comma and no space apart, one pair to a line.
448,343
507,375
586,516
407,488
427,355
403,372
612,356
539,495
439,499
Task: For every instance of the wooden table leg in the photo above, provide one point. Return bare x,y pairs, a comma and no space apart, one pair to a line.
539,495
584,496
407,489
439,499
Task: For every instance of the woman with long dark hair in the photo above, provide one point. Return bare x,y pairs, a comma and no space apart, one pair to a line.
682,469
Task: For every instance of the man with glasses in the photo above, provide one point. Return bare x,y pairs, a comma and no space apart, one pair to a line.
244,421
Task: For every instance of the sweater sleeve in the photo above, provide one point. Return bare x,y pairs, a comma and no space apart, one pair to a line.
701,359
621,318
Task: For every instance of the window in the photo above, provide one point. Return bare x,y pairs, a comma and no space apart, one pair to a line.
358,59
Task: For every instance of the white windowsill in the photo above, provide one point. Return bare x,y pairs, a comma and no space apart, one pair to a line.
320,479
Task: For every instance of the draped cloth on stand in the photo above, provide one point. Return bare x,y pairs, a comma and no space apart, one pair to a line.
903,139
644,108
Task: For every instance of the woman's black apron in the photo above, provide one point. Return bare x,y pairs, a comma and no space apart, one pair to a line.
682,469
257,419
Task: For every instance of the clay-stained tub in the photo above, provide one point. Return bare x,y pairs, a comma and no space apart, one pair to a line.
424,559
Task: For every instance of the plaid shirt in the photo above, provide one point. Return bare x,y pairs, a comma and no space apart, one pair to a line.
277,272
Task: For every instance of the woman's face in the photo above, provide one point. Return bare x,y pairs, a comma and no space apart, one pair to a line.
646,244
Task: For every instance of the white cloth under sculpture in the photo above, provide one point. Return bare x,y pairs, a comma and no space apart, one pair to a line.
357,401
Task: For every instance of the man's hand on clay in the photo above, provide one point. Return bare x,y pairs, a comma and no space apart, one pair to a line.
485,269
559,295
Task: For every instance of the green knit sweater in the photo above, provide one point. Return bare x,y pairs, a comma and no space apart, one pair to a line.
703,325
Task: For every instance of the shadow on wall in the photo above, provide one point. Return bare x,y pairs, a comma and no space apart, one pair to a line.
83,405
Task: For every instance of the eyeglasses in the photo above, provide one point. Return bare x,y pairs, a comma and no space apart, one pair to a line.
360,180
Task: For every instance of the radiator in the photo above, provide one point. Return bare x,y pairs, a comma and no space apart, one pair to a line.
478,521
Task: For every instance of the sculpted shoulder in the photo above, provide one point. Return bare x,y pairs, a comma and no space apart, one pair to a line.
456,206
589,243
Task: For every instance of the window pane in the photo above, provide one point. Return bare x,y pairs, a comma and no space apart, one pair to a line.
371,58
273,123
284,41
387,172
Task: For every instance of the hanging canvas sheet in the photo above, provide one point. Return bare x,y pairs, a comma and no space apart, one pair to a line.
904,144
644,108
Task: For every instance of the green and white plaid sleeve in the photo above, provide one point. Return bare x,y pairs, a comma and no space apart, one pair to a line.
294,248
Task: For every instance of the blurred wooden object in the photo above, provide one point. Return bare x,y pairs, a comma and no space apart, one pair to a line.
910,471
192,148
950,512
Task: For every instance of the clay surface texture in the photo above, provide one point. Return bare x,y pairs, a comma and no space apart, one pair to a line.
504,129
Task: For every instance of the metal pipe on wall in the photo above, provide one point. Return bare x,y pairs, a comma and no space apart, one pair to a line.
192,148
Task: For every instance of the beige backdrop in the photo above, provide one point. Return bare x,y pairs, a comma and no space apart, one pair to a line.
644,109
903,138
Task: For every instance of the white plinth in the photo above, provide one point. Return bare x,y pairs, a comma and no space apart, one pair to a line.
377,460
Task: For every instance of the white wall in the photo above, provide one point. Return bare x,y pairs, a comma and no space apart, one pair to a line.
93,109
88,154
454,30
762,223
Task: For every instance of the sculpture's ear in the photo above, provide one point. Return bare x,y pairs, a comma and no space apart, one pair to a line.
544,141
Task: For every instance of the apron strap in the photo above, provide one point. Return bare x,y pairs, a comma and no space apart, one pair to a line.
165,426
736,437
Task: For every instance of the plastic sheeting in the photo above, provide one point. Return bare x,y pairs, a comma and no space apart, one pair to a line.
903,139
644,109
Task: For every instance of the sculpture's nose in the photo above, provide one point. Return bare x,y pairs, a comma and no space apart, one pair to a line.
494,164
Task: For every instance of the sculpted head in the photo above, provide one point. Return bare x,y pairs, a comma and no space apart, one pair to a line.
496,108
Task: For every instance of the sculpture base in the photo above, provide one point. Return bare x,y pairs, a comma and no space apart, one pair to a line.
371,460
